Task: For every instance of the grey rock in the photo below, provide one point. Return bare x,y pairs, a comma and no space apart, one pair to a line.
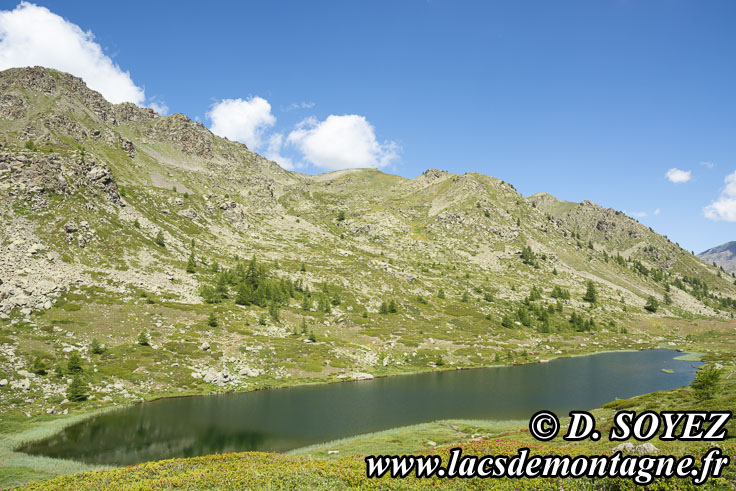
624,447
646,449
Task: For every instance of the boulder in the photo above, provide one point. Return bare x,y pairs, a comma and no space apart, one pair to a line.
44,287
624,447
361,376
250,372
646,449
35,248
212,376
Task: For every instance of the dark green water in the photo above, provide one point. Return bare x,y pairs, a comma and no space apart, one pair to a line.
284,419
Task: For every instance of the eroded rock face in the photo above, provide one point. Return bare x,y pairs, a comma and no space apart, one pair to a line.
36,174
127,146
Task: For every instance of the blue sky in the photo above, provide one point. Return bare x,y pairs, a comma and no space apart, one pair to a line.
585,100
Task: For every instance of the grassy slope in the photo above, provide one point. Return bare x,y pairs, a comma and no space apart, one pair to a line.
401,239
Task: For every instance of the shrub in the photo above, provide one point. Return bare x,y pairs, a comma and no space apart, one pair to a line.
96,348
212,320
652,304
383,309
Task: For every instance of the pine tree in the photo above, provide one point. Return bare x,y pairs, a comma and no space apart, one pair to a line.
191,264
707,383
652,304
465,298
143,339
273,311
39,366
74,363
96,348
383,309
77,391
304,325
306,304
212,320
441,293
392,307
507,322
591,295
528,256
159,240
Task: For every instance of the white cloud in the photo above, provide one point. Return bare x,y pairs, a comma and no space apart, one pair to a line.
724,208
242,120
32,35
300,105
657,211
678,175
639,214
273,151
342,142
708,165
159,106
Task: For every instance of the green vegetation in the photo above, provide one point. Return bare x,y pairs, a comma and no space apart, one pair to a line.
707,383
283,258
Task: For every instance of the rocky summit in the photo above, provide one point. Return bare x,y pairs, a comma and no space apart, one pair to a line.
155,258
722,256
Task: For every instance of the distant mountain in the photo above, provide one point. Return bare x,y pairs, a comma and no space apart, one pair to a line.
723,255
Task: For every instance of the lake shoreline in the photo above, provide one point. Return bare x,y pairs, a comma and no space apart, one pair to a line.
9,444
371,422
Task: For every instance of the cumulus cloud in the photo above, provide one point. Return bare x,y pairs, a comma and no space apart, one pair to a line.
657,211
678,175
32,35
159,106
273,151
708,165
242,120
342,142
639,214
724,208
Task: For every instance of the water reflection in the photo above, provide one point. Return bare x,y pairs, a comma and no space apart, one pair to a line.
280,420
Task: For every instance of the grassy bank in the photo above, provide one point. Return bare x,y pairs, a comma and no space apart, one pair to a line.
334,464
17,468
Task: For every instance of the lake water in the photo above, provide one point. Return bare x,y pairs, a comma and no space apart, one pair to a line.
283,419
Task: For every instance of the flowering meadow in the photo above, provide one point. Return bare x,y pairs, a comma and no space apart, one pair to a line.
255,470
